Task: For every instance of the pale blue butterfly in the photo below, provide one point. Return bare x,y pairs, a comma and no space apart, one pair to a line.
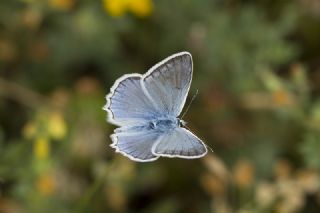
146,109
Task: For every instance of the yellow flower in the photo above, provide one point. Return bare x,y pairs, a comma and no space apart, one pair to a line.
213,185
115,8
141,8
282,97
46,184
41,148
243,173
29,130
62,4
57,127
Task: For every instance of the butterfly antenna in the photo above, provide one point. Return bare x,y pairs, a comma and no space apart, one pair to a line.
194,96
208,147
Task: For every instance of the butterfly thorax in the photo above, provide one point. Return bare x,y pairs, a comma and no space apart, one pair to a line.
165,124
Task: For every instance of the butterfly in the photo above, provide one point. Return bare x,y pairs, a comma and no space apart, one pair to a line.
146,108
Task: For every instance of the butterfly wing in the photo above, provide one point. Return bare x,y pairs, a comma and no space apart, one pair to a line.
181,143
167,83
127,103
135,143
136,99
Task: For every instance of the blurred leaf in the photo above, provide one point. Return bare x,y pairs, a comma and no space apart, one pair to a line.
310,150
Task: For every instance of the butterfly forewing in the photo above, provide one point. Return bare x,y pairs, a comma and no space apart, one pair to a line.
168,83
127,103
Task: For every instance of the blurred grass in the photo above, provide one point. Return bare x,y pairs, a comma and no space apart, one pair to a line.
256,65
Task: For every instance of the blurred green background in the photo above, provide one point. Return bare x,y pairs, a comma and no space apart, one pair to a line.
257,68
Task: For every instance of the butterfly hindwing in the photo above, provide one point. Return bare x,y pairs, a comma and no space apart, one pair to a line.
179,142
135,143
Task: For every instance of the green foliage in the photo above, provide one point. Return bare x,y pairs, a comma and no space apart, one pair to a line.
242,43
310,149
